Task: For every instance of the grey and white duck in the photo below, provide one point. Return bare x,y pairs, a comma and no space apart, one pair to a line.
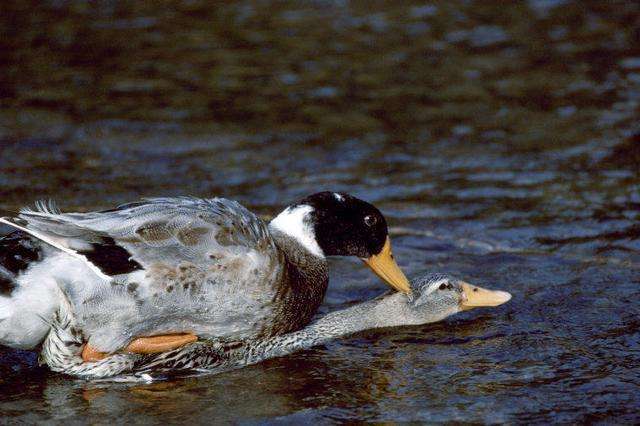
433,297
153,275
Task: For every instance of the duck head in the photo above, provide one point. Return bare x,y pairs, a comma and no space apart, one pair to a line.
437,296
338,224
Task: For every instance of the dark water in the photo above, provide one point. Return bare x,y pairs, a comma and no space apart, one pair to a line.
502,141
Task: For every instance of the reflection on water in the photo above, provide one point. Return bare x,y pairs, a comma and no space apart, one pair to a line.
501,140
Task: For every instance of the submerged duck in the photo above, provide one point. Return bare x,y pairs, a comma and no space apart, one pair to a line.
433,298
136,275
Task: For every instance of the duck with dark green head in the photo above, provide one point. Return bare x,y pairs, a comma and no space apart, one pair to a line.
154,275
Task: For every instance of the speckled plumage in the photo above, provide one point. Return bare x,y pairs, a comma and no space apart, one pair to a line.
210,267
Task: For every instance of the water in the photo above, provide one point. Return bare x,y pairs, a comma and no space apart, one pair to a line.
502,142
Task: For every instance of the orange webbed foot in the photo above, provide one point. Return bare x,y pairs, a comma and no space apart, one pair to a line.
144,345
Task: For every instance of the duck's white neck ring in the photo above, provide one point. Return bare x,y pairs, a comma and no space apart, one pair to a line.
296,223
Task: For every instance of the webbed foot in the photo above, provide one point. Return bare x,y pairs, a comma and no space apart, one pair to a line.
144,345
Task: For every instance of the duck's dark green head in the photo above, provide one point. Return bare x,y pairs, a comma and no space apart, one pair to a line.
338,224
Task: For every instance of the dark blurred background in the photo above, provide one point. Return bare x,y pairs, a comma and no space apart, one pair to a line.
501,139
524,76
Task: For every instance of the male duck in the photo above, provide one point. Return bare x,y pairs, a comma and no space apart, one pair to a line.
156,274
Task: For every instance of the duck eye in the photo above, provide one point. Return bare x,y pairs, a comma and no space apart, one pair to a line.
370,220
442,286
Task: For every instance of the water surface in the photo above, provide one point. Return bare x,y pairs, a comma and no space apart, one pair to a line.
502,142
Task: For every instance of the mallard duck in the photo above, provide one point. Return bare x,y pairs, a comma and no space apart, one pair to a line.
433,298
160,273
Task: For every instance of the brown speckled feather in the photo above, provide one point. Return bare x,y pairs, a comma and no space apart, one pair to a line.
209,267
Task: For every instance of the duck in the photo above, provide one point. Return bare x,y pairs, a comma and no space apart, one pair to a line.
156,274
433,297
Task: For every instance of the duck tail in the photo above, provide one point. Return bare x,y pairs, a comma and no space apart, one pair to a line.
20,327
28,223
22,225
17,252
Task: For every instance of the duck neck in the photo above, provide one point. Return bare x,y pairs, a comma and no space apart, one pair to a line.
295,222
303,285
378,313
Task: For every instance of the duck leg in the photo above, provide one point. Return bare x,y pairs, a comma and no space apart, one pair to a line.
144,345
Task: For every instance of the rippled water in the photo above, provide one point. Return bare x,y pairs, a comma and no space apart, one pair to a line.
502,141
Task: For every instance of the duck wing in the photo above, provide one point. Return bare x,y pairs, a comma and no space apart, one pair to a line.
162,265
141,235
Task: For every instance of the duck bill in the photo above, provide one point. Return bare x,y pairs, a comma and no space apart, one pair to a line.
476,297
386,268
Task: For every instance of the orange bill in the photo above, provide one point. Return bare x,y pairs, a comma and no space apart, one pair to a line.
475,297
385,266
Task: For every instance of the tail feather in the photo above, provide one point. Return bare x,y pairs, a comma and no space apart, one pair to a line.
47,207
57,242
